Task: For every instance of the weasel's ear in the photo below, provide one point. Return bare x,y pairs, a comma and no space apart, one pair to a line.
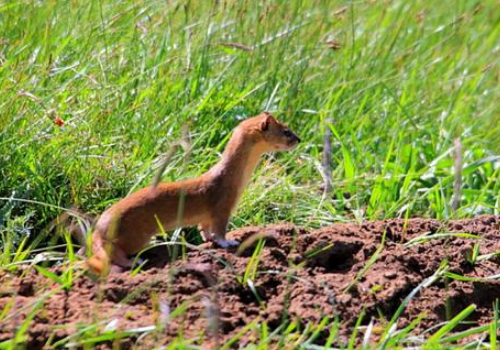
268,119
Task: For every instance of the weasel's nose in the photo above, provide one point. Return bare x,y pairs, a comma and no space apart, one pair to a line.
297,138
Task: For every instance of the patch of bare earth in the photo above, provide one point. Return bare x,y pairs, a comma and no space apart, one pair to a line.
301,275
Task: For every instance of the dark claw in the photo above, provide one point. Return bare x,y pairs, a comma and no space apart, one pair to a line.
227,243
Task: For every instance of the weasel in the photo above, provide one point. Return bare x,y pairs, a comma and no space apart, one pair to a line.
208,201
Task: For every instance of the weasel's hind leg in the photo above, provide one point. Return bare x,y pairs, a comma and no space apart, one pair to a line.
205,232
120,258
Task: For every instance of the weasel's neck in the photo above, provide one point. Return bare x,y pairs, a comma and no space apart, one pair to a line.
237,164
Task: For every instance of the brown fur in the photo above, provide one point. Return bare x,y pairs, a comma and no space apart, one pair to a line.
208,201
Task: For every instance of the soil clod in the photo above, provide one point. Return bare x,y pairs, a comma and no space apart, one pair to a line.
337,271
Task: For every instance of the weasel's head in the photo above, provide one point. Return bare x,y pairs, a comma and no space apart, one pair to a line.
272,134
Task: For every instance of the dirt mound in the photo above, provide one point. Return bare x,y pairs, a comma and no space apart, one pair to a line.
210,295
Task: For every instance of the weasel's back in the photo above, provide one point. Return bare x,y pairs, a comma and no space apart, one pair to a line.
133,220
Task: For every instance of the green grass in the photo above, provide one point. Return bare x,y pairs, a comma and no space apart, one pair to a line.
409,77
130,78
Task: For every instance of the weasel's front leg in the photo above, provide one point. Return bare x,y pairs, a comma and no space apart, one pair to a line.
218,231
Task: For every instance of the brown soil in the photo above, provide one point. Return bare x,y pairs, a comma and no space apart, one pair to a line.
292,283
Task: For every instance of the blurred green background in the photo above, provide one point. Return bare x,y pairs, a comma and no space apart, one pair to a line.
94,94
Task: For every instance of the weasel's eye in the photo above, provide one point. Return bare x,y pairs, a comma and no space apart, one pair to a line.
287,133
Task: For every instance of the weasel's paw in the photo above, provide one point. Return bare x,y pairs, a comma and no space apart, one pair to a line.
226,243
114,269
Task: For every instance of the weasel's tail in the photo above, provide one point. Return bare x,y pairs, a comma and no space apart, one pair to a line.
99,263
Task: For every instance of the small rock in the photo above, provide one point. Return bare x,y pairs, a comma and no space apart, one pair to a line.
391,274
344,298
